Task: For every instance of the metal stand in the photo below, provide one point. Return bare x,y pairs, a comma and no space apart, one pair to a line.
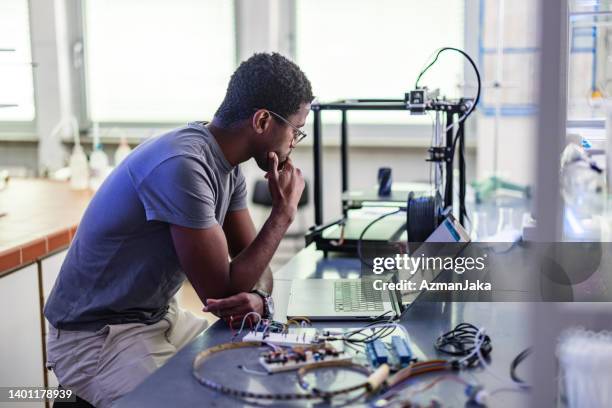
443,154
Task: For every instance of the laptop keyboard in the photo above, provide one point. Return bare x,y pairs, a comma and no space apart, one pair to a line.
357,296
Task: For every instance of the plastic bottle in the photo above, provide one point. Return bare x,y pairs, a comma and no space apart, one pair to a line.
122,151
79,169
98,161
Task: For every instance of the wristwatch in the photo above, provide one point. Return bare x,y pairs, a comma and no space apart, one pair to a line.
268,303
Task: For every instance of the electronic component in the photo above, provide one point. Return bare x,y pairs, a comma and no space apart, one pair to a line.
299,356
377,352
370,385
401,350
477,395
416,101
289,339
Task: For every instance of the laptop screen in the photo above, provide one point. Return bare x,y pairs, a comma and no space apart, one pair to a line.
447,241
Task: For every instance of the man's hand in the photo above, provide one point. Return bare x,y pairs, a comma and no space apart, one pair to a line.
234,308
286,186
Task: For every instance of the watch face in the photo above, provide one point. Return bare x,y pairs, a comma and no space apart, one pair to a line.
270,306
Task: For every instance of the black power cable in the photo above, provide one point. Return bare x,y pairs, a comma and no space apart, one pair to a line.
459,135
472,63
517,360
360,240
478,89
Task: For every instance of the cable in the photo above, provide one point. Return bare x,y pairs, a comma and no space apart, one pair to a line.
476,100
485,365
414,370
408,204
458,134
465,340
437,380
372,383
348,334
253,371
328,364
517,360
480,339
360,240
340,241
244,320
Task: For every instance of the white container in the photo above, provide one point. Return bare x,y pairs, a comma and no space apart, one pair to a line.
98,167
98,162
122,151
79,169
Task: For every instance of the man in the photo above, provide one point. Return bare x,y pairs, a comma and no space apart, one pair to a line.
176,207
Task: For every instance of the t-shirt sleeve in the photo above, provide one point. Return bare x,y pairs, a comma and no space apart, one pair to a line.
238,201
179,191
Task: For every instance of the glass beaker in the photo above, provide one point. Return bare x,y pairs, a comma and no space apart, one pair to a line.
480,226
505,220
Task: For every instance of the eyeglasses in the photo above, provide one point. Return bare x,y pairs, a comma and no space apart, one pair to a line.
298,135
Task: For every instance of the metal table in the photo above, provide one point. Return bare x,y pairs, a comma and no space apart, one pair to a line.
173,384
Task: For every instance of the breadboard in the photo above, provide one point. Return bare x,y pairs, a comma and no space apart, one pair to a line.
283,339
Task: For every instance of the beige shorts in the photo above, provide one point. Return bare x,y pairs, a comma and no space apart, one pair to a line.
103,366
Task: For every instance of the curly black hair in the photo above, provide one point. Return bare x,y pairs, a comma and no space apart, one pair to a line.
264,81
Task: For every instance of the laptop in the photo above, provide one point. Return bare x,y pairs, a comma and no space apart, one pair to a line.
356,299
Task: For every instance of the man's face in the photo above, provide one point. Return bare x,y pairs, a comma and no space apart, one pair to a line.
281,137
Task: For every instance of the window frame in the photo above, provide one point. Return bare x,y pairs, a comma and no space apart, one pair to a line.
404,135
248,38
107,125
15,130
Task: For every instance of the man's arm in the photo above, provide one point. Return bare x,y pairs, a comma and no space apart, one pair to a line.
204,256
204,253
240,233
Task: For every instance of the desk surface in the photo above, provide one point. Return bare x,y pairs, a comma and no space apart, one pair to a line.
38,216
173,384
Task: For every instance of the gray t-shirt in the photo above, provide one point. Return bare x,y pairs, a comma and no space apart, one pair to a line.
121,266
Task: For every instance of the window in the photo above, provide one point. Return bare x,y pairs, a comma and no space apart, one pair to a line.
16,79
375,49
157,61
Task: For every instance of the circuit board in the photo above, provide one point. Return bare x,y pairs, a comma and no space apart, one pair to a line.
297,347
287,359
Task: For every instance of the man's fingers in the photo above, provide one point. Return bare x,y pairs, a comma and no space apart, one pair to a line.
288,165
272,165
226,303
235,311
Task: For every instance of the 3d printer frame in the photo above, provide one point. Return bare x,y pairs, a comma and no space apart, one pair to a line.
414,102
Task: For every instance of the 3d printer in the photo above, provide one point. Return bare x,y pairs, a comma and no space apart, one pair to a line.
423,210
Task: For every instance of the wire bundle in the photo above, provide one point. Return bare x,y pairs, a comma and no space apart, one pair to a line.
268,325
465,340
